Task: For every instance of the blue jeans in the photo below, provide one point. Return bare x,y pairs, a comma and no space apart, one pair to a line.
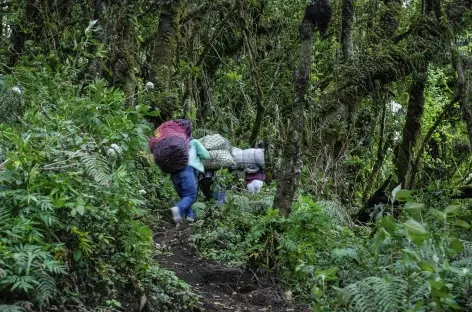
186,186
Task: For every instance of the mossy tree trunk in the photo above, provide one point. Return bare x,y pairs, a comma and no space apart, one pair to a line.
383,143
419,155
259,98
165,49
412,128
347,19
123,60
389,20
463,86
406,170
166,42
22,31
350,87
290,170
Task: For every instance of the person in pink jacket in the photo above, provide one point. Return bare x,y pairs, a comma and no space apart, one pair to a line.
254,181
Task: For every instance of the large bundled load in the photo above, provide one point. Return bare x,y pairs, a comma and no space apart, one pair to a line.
215,142
170,145
219,150
251,159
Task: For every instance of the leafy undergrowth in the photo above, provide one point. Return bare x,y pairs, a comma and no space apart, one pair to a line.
421,262
74,183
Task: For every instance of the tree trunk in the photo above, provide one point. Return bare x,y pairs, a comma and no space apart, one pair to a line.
163,60
381,150
289,174
347,18
345,93
442,116
167,36
412,128
123,62
18,35
210,66
260,109
463,85
389,19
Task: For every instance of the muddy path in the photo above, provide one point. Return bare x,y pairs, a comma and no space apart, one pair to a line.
220,288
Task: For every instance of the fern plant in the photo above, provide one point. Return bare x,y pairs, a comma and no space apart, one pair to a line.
69,207
374,294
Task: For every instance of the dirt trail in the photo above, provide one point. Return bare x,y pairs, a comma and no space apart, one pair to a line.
220,288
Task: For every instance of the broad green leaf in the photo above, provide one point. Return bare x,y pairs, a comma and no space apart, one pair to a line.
451,303
415,228
317,292
462,223
380,238
403,195
428,267
80,209
346,252
411,254
328,274
452,210
154,113
413,208
77,254
388,223
418,307
416,232
457,245
441,216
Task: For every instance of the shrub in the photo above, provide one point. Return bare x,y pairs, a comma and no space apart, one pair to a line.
73,188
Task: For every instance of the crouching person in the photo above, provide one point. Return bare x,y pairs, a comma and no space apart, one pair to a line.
209,189
254,181
185,182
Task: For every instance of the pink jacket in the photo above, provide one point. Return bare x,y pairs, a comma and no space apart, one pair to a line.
260,175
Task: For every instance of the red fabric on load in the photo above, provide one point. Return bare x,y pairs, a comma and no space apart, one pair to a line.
186,124
170,128
170,145
171,154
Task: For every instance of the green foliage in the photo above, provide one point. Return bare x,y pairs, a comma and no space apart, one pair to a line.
404,265
424,267
298,248
71,196
376,294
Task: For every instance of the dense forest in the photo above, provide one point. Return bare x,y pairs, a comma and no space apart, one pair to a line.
364,110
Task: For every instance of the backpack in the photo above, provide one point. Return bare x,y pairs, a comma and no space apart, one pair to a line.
170,145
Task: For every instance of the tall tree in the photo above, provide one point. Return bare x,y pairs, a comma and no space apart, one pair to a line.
166,42
22,30
347,19
412,128
123,59
318,15
259,98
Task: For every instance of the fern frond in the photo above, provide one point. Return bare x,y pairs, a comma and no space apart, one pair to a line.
46,288
5,216
11,308
463,263
96,166
467,249
337,212
376,294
